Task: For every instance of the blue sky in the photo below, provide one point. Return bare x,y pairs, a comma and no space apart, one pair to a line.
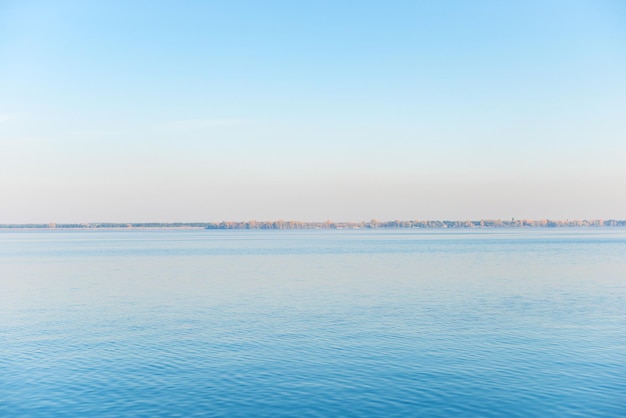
237,110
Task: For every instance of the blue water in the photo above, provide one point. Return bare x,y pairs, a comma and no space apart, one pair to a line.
313,323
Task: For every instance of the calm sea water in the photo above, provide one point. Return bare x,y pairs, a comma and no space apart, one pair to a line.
313,323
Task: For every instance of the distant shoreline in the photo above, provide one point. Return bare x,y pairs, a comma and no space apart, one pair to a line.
298,225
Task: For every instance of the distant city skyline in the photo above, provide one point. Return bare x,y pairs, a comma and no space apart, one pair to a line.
207,111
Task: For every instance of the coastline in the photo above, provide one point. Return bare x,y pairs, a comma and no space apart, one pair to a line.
302,225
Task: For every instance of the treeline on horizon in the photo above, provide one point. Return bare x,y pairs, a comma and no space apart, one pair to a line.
373,224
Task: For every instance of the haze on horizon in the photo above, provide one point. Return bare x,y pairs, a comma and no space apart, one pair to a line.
206,111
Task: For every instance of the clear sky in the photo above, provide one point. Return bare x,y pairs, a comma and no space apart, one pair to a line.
131,111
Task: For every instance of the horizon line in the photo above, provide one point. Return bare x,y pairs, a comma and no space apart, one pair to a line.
328,224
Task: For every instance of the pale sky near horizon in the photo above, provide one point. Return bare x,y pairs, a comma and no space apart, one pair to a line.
140,111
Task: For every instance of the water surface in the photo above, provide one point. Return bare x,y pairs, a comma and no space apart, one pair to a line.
528,322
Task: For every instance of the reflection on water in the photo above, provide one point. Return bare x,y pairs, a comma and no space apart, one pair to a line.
313,323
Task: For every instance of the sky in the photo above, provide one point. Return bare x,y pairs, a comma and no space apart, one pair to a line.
200,111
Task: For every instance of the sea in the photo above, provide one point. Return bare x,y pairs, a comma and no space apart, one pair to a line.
313,323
